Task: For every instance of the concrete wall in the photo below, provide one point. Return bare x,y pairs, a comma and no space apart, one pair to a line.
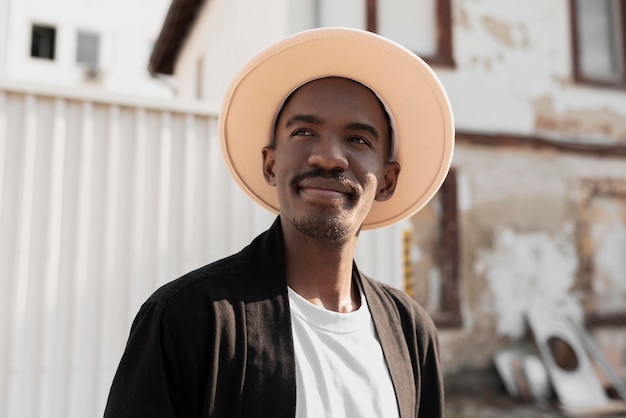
514,74
4,22
524,218
225,36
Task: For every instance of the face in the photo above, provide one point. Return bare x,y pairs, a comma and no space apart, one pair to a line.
329,160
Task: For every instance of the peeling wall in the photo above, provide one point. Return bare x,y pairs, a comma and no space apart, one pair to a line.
537,228
594,124
608,236
521,217
513,73
526,271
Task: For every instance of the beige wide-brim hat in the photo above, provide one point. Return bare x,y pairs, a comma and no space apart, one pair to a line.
417,104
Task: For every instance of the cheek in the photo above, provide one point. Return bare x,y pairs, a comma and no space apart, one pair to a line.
370,184
283,172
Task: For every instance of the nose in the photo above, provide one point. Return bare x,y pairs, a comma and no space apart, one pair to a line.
328,153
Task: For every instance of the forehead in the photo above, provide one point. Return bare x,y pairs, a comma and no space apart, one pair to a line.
338,97
333,89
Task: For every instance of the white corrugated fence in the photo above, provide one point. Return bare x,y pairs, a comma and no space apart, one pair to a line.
103,199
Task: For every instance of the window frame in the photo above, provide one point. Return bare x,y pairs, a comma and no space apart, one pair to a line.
578,75
448,315
590,188
444,55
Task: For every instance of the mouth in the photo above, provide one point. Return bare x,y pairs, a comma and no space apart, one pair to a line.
322,189
325,186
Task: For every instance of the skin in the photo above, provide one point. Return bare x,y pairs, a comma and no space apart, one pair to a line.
328,164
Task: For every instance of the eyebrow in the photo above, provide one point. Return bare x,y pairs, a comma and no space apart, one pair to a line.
315,120
363,127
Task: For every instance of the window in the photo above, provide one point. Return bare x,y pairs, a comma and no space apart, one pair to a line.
423,26
599,41
88,49
396,20
42,42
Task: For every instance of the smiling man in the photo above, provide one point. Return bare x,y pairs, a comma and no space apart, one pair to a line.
352,132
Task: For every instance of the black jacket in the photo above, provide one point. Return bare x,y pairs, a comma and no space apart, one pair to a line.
217,343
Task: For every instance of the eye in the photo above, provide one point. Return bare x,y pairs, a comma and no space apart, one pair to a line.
301,132
358,140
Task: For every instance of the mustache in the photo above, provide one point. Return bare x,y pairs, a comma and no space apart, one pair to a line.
319,172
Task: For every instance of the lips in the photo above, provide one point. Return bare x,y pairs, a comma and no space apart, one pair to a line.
323,185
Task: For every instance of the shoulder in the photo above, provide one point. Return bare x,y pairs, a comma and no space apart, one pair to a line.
219,277
227,283
200,299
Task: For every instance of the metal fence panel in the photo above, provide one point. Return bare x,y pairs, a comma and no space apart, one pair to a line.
102,200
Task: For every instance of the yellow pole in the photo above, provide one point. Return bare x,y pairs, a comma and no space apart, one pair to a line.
408,264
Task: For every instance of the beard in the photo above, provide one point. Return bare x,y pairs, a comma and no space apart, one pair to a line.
323,228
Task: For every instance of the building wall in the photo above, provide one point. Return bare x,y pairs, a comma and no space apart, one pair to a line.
226,34
523,217
513,71
125,44
513,74
4,16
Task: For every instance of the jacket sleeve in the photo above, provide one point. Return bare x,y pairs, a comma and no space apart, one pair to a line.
142,386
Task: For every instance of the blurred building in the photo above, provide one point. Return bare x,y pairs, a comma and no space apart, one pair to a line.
102,199
88,44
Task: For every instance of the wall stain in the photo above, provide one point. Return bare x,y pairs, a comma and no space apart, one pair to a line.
512,35
604,122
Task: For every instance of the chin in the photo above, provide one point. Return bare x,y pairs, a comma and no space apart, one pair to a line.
325,228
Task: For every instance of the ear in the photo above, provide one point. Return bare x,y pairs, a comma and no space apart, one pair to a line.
268,165
389,181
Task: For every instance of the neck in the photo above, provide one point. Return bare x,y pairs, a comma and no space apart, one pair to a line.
321,270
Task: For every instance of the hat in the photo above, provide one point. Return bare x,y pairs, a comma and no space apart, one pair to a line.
418,107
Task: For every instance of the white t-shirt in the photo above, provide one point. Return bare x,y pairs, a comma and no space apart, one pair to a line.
340,368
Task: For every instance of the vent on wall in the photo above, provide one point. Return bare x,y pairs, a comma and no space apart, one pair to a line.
88,54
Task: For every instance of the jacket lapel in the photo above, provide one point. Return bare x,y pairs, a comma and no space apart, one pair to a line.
389,329
270,382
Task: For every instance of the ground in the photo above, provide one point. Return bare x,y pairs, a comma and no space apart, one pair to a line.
471,395
501,406
496,407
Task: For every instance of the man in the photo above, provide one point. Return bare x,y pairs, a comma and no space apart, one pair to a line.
337,130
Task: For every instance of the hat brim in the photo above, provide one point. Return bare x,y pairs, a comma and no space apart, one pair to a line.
407,86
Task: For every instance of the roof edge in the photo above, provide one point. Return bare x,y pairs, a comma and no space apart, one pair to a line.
176,26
